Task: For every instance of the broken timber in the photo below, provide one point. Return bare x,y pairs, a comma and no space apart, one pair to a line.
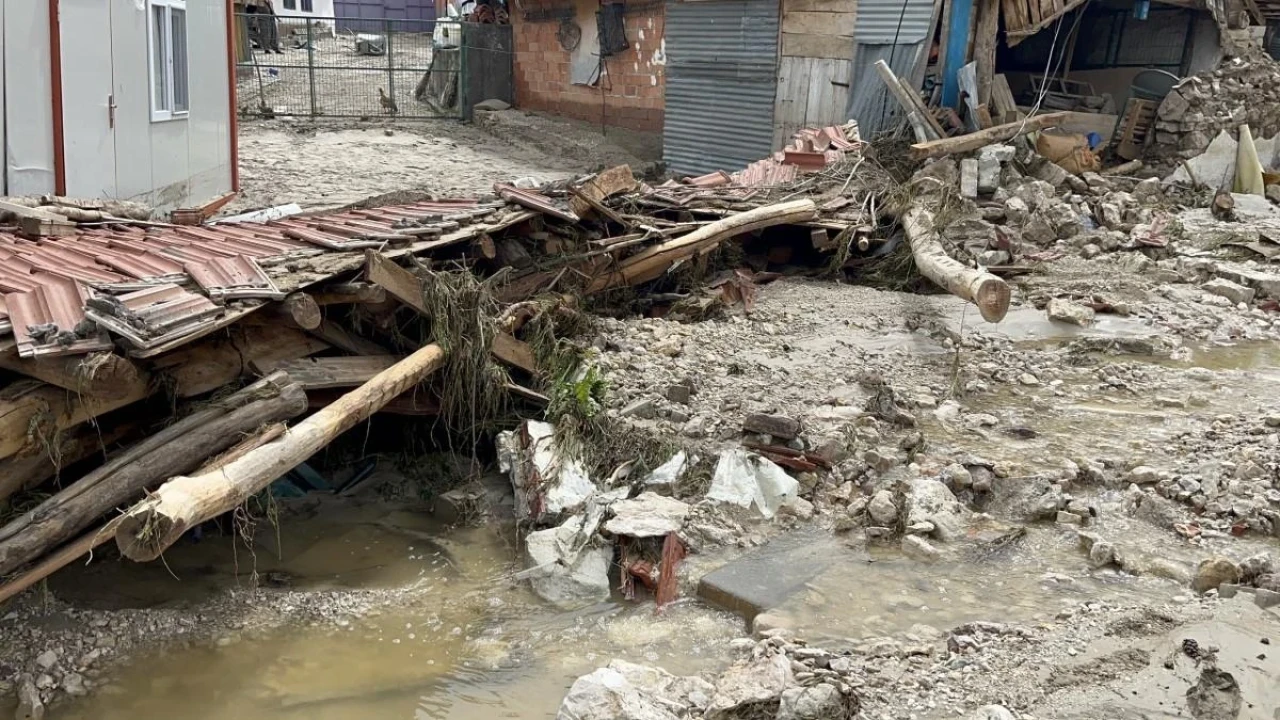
983,138
157,522
652,263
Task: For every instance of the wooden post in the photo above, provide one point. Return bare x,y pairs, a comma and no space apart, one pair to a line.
178,448
157,522
983,138
983,289
984,47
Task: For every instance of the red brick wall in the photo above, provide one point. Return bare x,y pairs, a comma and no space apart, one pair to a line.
633,85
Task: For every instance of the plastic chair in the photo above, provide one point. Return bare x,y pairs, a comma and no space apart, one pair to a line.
1152,84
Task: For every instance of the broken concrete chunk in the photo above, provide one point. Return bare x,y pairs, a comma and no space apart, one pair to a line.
1234,292
650,515
547,484
776,425
606,694
969,178
564,568
988,174
1065,311
744,479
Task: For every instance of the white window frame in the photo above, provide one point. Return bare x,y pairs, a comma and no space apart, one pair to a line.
162,112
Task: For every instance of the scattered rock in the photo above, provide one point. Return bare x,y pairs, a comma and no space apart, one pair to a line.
1144,475
47,659
30,707
994,712
883,509
563,570
642,408
1213,572
1065,311
73,684
751,689
775,425
1234,292
919,549
930,501
820,702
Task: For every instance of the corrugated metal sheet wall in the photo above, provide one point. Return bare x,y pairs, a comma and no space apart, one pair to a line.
722,77
889,30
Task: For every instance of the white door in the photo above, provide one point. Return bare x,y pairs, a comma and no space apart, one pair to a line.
88,112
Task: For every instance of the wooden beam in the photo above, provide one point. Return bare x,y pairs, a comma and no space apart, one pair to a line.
157,522
352,293
38,223
982,138
333,372
343,339
31,412
984,47
101,375
515,353
602,186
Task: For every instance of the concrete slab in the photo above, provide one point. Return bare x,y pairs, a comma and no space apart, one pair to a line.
767,577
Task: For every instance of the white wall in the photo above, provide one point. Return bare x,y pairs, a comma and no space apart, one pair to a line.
28,106
173,163
319,9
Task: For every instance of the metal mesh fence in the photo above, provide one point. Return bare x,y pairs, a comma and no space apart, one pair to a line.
343,68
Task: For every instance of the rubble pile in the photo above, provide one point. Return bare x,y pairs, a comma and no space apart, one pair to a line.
1240,91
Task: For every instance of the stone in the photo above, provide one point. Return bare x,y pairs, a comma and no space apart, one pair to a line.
681,394
1234,292
1213,572
563,574
1264,598
1026,499
969,178
642,408
929,500
606,694
666,474
1028,379
919,549
1102,554
820,702
798,507
754,686
1173,107
1052,173
1273,193
1256,566
882,509
776,425
1144,475
993,712
1090,251
1065,311
956,476
1069,518
47,659
73,684
649,515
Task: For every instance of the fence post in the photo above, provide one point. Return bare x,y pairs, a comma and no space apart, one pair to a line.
391,73
462,71
311,66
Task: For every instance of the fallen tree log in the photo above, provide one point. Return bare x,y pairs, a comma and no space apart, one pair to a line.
154,524
652,263
179,448
23,473
988,292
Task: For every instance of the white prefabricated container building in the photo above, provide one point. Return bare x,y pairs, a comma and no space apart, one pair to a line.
127,99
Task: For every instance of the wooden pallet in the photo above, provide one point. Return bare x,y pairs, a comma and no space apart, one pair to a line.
1136,123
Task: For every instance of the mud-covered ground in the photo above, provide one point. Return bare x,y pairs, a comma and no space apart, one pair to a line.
1091,469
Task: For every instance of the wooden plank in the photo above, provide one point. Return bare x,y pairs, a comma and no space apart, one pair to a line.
343,339
40,223
817,46
353,293
828,92
104,376
332,372
792,98
516,353
1002,104
604,185
819,23
1012,16
825,6
1036,24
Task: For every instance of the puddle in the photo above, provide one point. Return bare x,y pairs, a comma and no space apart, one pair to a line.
1027,324
471,644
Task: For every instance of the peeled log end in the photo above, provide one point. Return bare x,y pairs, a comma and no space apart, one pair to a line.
992,298
108,376
145,532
